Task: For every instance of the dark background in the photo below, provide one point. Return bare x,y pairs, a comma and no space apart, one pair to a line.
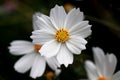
16,24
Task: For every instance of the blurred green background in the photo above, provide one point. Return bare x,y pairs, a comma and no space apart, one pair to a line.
16,24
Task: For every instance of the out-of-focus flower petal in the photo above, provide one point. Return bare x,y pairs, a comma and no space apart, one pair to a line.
38,67
20,47
116,76
25,63
91,70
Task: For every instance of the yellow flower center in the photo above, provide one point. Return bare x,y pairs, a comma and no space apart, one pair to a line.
37,47
102,78
62,35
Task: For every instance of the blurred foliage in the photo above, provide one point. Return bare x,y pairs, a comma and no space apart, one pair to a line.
16,23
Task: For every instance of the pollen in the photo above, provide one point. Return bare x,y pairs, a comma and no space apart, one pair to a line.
37,47
62,35
102,78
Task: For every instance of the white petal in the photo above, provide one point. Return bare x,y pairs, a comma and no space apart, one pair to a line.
64,56
110,64
73,48
81,29
25,63
116,76
78,39
50,49
85,33
58,14
35,26
41,37
43,22
79,26
53,63
57,72
75,44
73,17
100,61
20,47
91,70
38,67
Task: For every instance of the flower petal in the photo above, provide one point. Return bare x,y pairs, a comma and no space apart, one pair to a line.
20,47
64,56
57,72
81,29
38,67
35,26
73,17
75,44
50,49
54,65
43,22
25,63
99,59
57,15
91,70
73,48
116,76
41,37
77,39
110,64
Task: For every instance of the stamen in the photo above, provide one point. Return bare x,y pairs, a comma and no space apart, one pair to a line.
102,78
37,47
62,35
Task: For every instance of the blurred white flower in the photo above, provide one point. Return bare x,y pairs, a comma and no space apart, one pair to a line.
61,34
104,66
31,59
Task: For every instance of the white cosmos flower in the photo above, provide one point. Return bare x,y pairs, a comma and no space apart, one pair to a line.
61,34
104,66
31,59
